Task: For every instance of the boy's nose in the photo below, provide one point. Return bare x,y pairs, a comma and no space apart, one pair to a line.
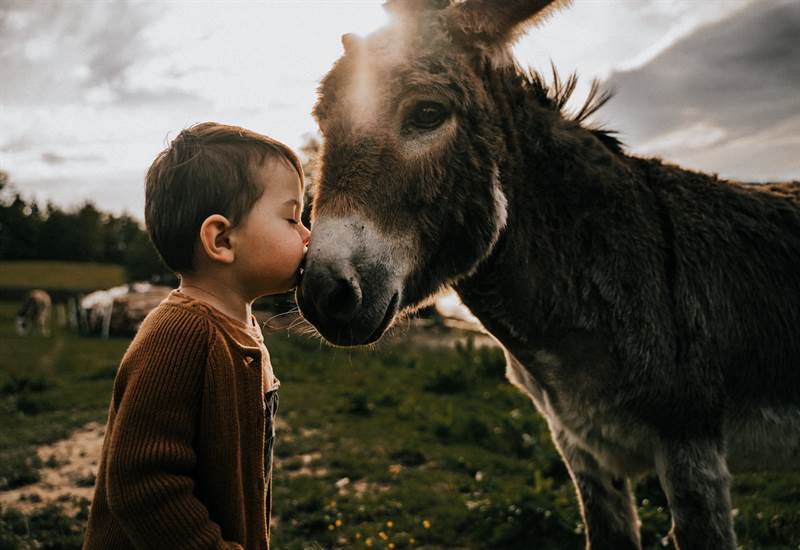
306,234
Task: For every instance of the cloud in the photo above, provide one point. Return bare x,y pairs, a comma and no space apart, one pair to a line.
64,52
595,38
53,158
677,21
21,141
50,157
704,99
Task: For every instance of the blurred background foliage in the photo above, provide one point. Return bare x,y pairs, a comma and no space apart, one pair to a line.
79,234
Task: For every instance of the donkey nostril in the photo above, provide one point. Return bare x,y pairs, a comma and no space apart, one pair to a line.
330,294
343,300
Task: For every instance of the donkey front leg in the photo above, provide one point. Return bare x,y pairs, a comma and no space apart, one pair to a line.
694,476
607,504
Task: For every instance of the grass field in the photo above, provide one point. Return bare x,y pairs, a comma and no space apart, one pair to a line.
404,446
60,275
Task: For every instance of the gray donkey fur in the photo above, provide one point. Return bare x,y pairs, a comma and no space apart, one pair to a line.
650,312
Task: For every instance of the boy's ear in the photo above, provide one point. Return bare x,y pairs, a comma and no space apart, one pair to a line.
215,239
497,23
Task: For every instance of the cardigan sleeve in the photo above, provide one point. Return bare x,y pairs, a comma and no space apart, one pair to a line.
150,457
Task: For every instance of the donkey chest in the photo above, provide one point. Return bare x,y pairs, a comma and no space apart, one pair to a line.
583,405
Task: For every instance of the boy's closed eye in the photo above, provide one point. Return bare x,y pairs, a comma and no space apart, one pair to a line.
292,211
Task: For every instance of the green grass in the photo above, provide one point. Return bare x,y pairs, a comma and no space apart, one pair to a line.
439,450
453,456
52,275
49,386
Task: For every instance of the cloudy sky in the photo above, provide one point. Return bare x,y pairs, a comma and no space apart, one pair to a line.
90,91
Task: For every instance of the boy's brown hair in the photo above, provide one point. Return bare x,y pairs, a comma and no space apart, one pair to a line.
207,169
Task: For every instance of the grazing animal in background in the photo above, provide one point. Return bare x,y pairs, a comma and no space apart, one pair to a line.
34,313
650,312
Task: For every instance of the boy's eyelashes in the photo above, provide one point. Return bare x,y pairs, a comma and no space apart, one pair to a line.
292,221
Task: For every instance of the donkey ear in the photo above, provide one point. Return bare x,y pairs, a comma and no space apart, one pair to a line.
496,23
349,41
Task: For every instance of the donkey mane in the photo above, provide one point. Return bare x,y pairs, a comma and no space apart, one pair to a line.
556,95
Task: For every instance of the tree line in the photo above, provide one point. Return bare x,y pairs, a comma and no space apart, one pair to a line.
82,234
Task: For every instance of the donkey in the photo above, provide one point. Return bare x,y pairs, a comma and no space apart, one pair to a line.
650,312
34,314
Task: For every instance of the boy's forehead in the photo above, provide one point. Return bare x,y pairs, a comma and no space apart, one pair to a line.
278,175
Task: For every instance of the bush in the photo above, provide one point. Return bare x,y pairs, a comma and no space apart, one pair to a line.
24,392
471,369
447,379
19,469
86,481
513,521
360,404
23,384
48,528
409,457
32,405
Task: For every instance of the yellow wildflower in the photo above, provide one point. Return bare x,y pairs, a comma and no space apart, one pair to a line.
331,527
338,522
389,524
426,524
383,535
368,541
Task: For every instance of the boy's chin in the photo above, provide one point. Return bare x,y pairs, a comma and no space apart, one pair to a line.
289,286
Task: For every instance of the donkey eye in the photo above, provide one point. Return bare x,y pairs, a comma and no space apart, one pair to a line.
427,115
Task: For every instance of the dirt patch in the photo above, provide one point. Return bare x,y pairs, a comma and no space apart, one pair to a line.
70,469
359,488
303,465
68,475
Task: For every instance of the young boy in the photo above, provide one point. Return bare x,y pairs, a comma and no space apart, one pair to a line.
187,456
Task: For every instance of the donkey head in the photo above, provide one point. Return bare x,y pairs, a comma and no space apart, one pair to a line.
409,198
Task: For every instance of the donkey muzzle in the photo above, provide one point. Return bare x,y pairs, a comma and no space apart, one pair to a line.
351,288
345,308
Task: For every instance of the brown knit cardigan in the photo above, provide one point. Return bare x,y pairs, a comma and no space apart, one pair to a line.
182,463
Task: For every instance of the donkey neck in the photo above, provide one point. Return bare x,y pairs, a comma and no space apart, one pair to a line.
558,177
